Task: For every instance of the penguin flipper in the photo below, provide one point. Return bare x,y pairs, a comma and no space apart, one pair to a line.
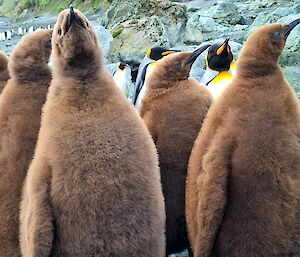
212,185
140,83
36,219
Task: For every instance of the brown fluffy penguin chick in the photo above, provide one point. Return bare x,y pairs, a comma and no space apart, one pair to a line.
243,185
4,75
20,114
93,188
173,109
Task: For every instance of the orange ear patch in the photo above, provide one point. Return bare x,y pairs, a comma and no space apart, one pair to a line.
167,52
148,53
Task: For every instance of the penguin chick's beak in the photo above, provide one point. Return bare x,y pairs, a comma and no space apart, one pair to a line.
196,53
169,52
72,17
223,47
291,26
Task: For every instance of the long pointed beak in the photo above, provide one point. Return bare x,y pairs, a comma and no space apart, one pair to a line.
291,26
72,17
223,46
196,53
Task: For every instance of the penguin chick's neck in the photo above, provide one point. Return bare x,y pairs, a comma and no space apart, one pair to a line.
162,82
82,67
37,72
253,65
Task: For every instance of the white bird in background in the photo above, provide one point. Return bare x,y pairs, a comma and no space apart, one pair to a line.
30,29
119,77
2,36
49,26
20,31
8,35
24,31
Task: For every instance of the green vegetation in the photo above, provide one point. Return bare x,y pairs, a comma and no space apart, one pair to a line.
117,31
14,8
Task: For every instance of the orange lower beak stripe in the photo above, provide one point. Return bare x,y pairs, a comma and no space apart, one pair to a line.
167,52
221,49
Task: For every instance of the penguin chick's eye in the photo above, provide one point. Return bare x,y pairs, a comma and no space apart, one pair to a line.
59,32
177,65
48,43
277,35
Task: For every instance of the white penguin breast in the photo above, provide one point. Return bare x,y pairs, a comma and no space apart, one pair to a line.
143,92
120,80
219,83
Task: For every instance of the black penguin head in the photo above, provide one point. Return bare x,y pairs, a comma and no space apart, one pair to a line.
122,65
156,53
219,56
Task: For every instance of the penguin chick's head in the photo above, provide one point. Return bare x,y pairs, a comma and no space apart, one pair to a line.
29,60
75,44
267,42
177,66
219,56
122,65
156,53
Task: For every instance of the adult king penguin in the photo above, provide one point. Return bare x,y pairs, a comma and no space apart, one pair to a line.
119,76
243,186
145,69
173,109
219,68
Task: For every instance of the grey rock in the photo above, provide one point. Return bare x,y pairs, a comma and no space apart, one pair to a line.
281,14
289,58
182,254
261,4
105,38
195,5
197,25
136,37
171,15
227,12
292,75
215,21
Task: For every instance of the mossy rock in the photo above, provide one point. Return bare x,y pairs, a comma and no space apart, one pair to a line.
117,31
